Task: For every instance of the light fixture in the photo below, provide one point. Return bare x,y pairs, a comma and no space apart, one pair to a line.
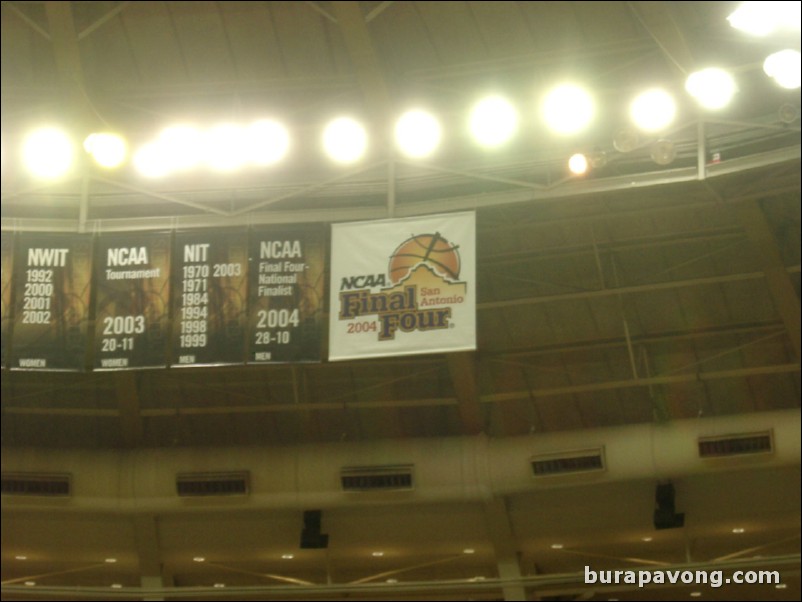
764,18
224,148
653,110
48,153
345,140
150,160
598,159
21,557
391,581
647,539
788,113
199,559
663,152
116,586
712,88
30,583
578,164
567,109
377,554
266,142
287,556
219,585
696,594
468,551
110,560
417,134
180,147
738,530
781,586
557,546
784,68
107,149
493,121
626,140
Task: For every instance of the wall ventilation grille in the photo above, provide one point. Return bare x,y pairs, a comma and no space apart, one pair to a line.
376,478
212,484
580,461
48,485
736,445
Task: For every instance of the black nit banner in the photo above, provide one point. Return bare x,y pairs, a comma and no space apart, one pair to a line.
132,302
210,298
285,319
52,277
7,259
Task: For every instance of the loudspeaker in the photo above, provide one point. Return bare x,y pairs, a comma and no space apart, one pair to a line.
311,537
665,515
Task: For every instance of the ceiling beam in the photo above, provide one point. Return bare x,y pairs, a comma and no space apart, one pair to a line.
339,406
127,388
781,288
67,55
151,567
463,368
369,71
501,534
659,20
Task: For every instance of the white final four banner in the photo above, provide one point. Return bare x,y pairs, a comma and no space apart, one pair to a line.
403,286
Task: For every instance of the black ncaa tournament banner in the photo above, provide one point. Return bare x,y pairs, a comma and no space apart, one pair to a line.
210,297
287,280
132,281
7,259
403,286
52,277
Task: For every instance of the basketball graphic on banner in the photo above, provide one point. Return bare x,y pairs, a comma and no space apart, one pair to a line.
430,249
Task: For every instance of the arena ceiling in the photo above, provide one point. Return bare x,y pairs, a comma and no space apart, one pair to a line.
640,294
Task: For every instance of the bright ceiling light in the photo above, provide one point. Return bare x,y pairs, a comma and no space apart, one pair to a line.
224,148
181,147
417,134
151,161
763,18
345,140
712,88
266,142
107,149
568,109
48,153
784,68
493,121
653,110
578,165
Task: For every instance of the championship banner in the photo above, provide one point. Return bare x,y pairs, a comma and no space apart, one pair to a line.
52,275
7,259
210,297
132,281
403,287
287,280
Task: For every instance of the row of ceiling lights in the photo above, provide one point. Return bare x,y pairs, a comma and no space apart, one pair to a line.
566,110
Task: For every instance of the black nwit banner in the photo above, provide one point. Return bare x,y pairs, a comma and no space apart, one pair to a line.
132,303
52,275
287,282
8,258
210,297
